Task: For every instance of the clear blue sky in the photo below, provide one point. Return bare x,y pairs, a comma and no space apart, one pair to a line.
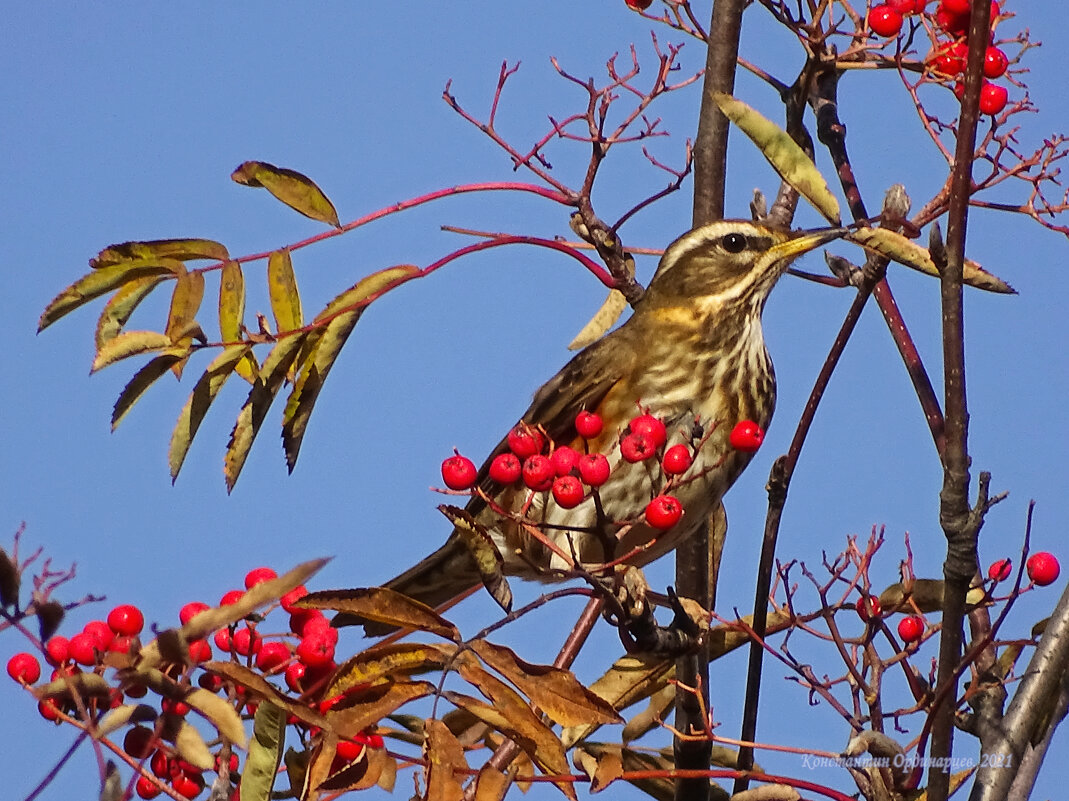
123,123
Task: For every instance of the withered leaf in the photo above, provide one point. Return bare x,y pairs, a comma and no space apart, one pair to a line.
444,754
297,191
381,605
388,661
181,249
556,692
487,558
371,704
121,306
144,378
100,282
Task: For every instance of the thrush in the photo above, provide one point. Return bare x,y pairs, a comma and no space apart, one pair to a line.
693,355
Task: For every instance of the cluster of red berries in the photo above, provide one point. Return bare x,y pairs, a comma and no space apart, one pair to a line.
947,59
1042,568
304,657
542,466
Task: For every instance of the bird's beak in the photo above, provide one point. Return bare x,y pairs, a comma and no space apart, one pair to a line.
805,241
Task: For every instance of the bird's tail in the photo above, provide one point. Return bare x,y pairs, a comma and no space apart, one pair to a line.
444,575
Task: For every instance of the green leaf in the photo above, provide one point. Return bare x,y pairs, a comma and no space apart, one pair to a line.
255,409
133,343
199,401
783,153
142,380
118,309
100,282
285,299
297,191
322,349
182,249
265,753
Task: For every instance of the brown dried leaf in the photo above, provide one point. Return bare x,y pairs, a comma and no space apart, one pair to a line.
491,784
444,754
661,789
388,661
294,189
534,736
182,249
602,770
370,705
556,692
487,557
382,606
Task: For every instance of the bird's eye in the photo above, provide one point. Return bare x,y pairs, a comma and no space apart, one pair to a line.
734,243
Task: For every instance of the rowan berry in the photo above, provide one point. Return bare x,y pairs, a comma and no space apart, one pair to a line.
506,468
126,619
637,447
191,610
259,575
24,667
525,440
538,472
1043,568
594,469
1000,570
652,427
868,607
746,436
910,628
459,472
677,460
885,21
567,491
992,98
663,512
564,459
588,425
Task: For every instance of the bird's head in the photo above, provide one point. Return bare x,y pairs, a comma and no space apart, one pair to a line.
728,263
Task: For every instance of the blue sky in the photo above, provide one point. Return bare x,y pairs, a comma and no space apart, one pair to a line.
123,123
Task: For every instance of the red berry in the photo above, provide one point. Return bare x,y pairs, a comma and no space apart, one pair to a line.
123,644
594,469
910,628
259,575
48,709
885,21
162,765
222,640
995,62
173,707
505,468
663,512
950,58
564,459
349,751
525,440
959,90
996,12
146,788
56,650
295,676
230,598
906,7
637,447
677,460
126,619
954,24
638,5
587,424
746,436
868,607
232,764
1043,568
538,472
24,667
247,642
100,632
82,649
191,610
567,491
188,786
652,427
272,655
139,742
992,98
955,6
316,650
290,598
459,472
1000,570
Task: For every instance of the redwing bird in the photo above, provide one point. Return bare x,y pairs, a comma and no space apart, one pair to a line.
691,353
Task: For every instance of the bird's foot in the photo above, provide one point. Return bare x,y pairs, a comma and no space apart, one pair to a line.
639,630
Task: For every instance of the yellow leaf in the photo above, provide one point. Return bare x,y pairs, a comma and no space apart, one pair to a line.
385,661
181,249
189,745
905,251
142,380
100,282
556,692
282,285
295,190
603,319
220,712
132,343
783,153
185,302
199,401
323,346
118,717
382,606
122,304
256,406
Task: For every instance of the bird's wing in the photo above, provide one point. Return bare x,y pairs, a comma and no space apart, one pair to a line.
581,384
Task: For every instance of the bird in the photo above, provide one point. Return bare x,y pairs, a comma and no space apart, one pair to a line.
691,354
